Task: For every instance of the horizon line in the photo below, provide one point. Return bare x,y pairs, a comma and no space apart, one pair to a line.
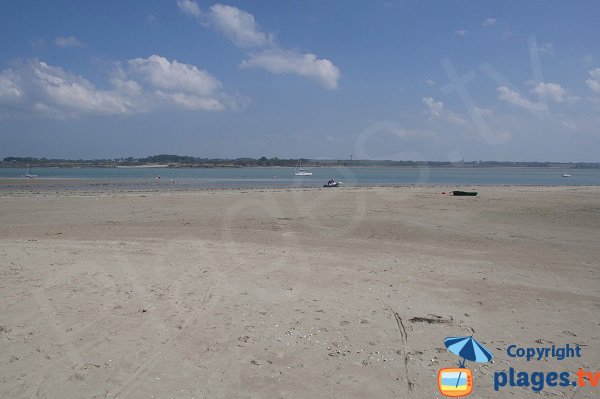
352,160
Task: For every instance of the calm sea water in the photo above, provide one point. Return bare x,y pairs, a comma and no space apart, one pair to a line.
284,177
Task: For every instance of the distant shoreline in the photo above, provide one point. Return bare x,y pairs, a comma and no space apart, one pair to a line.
142,166
178,161
428,164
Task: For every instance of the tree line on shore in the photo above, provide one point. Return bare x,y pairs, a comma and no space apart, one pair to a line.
188,161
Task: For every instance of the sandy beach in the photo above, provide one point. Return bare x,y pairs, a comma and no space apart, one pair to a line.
291,293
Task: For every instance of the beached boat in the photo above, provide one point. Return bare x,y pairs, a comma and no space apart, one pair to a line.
332,183
465,193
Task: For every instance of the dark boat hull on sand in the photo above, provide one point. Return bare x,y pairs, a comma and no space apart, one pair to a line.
465,193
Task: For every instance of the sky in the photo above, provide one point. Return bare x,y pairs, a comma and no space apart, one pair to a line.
401,80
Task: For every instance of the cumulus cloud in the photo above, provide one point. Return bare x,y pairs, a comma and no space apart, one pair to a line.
489,22
10,86
68,41
288,61
461,32
435,107
553,91
594,81
239,26
189,7
40,88
242,29
430,82
138,85
514,98
191,101
161,73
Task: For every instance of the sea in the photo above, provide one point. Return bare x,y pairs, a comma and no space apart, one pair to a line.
206,178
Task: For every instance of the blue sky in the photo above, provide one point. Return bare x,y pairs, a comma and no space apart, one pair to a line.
432,80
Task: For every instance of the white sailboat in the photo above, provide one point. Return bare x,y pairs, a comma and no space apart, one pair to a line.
27,174
299,171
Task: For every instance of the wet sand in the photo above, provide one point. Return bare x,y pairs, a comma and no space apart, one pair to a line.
291,293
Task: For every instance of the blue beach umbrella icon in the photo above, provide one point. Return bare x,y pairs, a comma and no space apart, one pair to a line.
469,349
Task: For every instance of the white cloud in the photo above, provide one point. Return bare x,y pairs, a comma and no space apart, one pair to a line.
430,82
161,73
124,85
191,101
512,97
288,61
242,29
477,123
10,86
553,91
47,89
189,7
435,107
489,22
461,32
594,81
68,41
140,85
239,26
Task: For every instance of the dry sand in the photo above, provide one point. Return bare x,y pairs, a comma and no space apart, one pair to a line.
299,293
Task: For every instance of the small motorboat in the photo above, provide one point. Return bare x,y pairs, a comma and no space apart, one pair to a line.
465,193
566,175
332,183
